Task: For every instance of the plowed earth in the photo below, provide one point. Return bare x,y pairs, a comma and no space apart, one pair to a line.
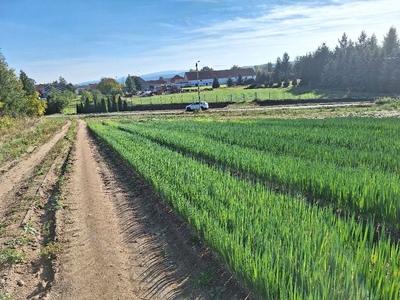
82,225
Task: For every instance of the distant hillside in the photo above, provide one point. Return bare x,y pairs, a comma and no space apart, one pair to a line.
151,76
88,82
164,74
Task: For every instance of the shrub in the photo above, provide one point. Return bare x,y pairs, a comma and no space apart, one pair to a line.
249,81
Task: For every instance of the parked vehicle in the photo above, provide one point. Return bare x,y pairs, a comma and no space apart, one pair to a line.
196,106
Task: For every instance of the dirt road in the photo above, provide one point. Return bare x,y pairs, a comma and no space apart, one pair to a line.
116,240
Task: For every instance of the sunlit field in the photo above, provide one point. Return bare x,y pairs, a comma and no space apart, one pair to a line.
297,208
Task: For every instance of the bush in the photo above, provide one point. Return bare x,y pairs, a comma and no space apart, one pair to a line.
255,86
57,101
389,102
249,81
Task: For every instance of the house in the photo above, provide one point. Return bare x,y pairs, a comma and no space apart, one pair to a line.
45,89
206,78
155,84
177,82
176,79
246,73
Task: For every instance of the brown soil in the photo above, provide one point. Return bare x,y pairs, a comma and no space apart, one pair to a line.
113,239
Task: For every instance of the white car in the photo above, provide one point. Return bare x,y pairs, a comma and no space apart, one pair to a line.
195,106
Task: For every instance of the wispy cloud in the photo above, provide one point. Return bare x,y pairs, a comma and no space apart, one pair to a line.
176,33
360,12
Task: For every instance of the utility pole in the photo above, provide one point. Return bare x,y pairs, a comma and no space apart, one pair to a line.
198,83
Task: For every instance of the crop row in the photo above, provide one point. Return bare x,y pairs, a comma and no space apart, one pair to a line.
360,190
350,142
279,245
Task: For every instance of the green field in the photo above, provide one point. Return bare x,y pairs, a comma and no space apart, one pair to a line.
239,96
298,209
243,95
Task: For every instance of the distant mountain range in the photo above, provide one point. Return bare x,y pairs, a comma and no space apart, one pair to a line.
164,74
151,76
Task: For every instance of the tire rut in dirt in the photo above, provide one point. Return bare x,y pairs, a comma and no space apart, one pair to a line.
28,217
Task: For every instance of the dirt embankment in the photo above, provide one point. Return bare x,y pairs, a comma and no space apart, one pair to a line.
113,239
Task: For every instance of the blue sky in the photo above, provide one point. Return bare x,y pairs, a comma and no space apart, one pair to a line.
84,40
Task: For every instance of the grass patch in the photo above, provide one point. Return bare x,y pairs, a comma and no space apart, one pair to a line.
18,136
388,102
6,296
22,239
71,108
243,95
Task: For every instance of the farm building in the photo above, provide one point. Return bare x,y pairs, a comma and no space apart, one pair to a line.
206,77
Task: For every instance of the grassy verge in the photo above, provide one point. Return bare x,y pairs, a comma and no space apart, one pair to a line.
27,231
239,96
19,136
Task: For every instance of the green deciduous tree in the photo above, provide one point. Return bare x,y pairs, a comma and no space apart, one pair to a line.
28,84
12,94
138,83
57,101
130,84
206,68
71,87
35,107
109,86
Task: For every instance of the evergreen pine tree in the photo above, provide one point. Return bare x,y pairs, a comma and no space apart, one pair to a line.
240,80
215,84
120,108
229,83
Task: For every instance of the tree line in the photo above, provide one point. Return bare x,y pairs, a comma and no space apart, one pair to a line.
106,96
19,97
17,94
363,65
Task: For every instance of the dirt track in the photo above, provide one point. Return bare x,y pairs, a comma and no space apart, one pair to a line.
117,239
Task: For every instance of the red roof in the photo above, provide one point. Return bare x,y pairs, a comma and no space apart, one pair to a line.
40,87
156,82
244,72
176,78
